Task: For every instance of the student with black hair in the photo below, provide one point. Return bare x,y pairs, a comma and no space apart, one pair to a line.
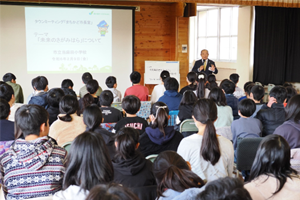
131,105
191,79
53,98
228,87
137,89
7,129
10,79
248,90
86,77
171,96
68,125
257,94
202,91
111,83
130,166
110,114
245,90
40,85
272,115
67,87
186,105
159,136
32,167
211,156
88,164
238,93
92,88
271,175
174,177
211,81
159,89
290,92
92,118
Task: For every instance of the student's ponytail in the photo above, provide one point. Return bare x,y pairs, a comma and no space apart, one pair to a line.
68,105
192,77
201,88
161,113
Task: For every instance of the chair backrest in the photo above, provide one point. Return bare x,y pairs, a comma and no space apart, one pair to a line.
152,157
67,146
144,111
188,125
117,105
173,115
246,152
4,146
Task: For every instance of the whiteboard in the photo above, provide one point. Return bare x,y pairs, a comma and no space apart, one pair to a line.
154,68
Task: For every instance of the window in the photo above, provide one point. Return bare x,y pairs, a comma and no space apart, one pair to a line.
218,32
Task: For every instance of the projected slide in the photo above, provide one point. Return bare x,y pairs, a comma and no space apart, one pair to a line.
64,40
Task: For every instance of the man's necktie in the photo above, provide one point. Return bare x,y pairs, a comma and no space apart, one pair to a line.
204,65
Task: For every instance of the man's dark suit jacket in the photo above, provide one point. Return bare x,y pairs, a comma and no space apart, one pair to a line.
198,63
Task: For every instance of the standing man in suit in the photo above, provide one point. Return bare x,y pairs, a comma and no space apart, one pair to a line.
205,65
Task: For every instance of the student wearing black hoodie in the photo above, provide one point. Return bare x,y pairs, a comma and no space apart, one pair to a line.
130,166
159,136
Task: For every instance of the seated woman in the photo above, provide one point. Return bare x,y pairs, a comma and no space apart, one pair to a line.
88,164
159,136
68,125
271,174
130,166
290,129
174,178
211,156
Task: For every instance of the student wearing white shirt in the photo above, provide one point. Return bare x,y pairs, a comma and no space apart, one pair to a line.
239,92
159,89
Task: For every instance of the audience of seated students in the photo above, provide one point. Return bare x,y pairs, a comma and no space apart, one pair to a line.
39,97
137,89
211,156
92,88
272,115
33,167
131,169
171,96
174,178
159,89
131,105
290,129
67,87
290,92
68,125
191,79
53,98
239,92
228,87
88,164
271,175
7,130
92,118
159,136
202,91
224,189
186,106
211,81
225,116
86,77
257,94
245,126
245,89
10,79
110,114
111,191
111,83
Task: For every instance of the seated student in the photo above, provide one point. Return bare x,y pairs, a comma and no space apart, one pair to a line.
131,169
228,87
131,105
225,116
211,81
290,129
88,165
159,89
271,175
33,167
159,136
67,87
53,98
68,125
92,88
245,90
246,126
211,156
92,118
138,90
191,79
111,83
85,78
186,105
171,96
40,85
7,130
257,94
174,177
290,92
224,188
110,114
273,115
10,79
238,93
202,90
